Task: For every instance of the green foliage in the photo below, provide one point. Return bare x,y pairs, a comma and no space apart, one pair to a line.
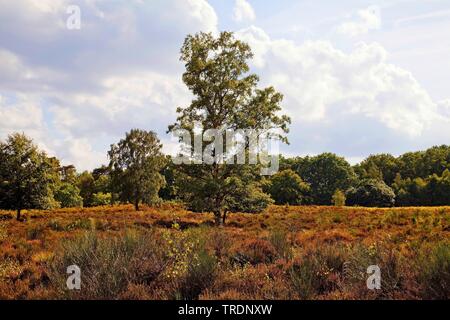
339,198
68,196
379,167
225,97
101,199
432,191
434,273
326,173
25,175
371,193
136,162
286,187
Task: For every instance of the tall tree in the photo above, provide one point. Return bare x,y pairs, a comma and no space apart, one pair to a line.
326,173
226,97
25,174
287,187
136,162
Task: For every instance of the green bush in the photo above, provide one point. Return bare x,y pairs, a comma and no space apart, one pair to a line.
371,193
101,199
68,196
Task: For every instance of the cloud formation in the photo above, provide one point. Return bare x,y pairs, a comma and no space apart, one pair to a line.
243,11
364,21
324,86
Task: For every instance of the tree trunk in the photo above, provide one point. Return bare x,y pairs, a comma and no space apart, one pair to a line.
18,214
218,217
136,204
224,217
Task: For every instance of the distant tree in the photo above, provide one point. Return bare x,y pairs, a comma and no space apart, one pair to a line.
101,199
339,198
171,190
371,193
381,167
287,187
25,174
68,195
226,97
325,174
86,184
136,162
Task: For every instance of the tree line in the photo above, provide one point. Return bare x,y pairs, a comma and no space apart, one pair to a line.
227,96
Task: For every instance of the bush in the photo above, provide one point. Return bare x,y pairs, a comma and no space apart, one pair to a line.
339,198
109,266
278,239
286,187
255,251
371,193
101,199
35,232
68,196
434,273
200,275
316,272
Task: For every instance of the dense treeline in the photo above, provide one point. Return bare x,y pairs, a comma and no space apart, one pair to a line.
31,179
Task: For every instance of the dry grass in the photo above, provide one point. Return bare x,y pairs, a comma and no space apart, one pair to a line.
286,252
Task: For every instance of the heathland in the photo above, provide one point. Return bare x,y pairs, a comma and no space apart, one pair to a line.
167,252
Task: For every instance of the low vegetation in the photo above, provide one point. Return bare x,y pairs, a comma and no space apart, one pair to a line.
286,252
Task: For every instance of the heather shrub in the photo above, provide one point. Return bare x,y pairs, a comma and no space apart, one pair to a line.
434,272
255,251
317,271
109,266
35,232
279,240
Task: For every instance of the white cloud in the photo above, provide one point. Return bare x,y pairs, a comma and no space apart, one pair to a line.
20,113
365,20
74,94
243,11
320,81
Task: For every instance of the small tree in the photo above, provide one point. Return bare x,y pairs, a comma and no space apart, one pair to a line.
25,174
326,173
68,196
286,187
339,198
101,199
136,162
371,193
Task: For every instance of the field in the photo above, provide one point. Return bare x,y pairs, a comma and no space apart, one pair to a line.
286,252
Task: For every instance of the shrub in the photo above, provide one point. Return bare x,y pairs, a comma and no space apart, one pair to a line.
199,276
434,272
3,232
68,196
339,198
101,199
35,232
371,193
278,239
316,271
255,251
286,187
109,266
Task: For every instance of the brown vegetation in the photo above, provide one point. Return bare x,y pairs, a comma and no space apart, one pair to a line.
286,252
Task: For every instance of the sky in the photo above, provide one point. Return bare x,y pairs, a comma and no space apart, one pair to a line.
358,77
